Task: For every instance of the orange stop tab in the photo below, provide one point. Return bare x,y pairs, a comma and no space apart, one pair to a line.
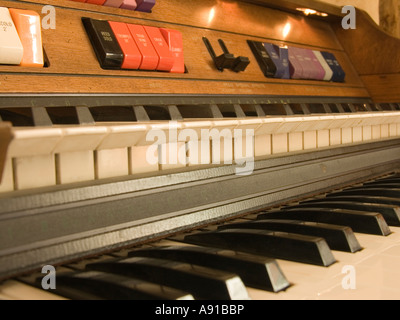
166,60
150,58
132,55
29,29
175,43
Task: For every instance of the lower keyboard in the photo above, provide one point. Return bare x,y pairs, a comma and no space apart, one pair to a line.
254,257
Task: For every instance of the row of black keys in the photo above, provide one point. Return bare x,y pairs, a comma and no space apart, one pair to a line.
229,257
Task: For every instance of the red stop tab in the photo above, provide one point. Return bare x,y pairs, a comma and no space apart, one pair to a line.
175,44
166,60
132,55
149,55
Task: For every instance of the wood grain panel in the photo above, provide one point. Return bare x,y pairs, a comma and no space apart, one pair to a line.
371,50
374,55
75,69
383,88
81,84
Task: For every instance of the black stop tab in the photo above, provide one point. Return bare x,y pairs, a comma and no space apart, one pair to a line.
104,43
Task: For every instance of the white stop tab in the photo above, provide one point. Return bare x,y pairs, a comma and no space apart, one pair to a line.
11,49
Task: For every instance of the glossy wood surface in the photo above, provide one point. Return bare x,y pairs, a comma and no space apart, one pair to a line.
75,69
375,56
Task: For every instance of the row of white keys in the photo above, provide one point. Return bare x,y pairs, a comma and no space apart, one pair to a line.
39,157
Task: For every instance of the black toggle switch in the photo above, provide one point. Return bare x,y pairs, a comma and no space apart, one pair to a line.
226,60
240,63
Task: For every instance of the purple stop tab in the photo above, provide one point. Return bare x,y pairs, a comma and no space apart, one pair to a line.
129,5
145,5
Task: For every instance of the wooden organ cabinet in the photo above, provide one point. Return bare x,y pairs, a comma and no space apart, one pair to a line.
111,172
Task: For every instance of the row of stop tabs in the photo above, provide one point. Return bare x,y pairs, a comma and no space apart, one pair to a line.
120,45
137,5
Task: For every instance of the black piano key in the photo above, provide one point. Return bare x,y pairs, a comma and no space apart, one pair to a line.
367,199
257,272
339,238
363,222
279,245
380,185
390,213
201,282
395,180
378,192
99,285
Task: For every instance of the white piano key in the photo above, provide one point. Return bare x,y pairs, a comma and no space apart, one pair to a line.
323,138
111,163
74,153
123,136
295,141
384,131
172,155
197,148
310,140
347,135
75,166
34,172
7,181
326,122
221,135
244,148
263,145
335,137
280,143
143,159
34,141
192,128
307,123
244,139
289,124
269,125
376,132
16,290
392,130
80,138
165,131
249,124
357,134
367,133
198,152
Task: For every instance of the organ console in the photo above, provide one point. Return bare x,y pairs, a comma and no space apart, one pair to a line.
139,166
